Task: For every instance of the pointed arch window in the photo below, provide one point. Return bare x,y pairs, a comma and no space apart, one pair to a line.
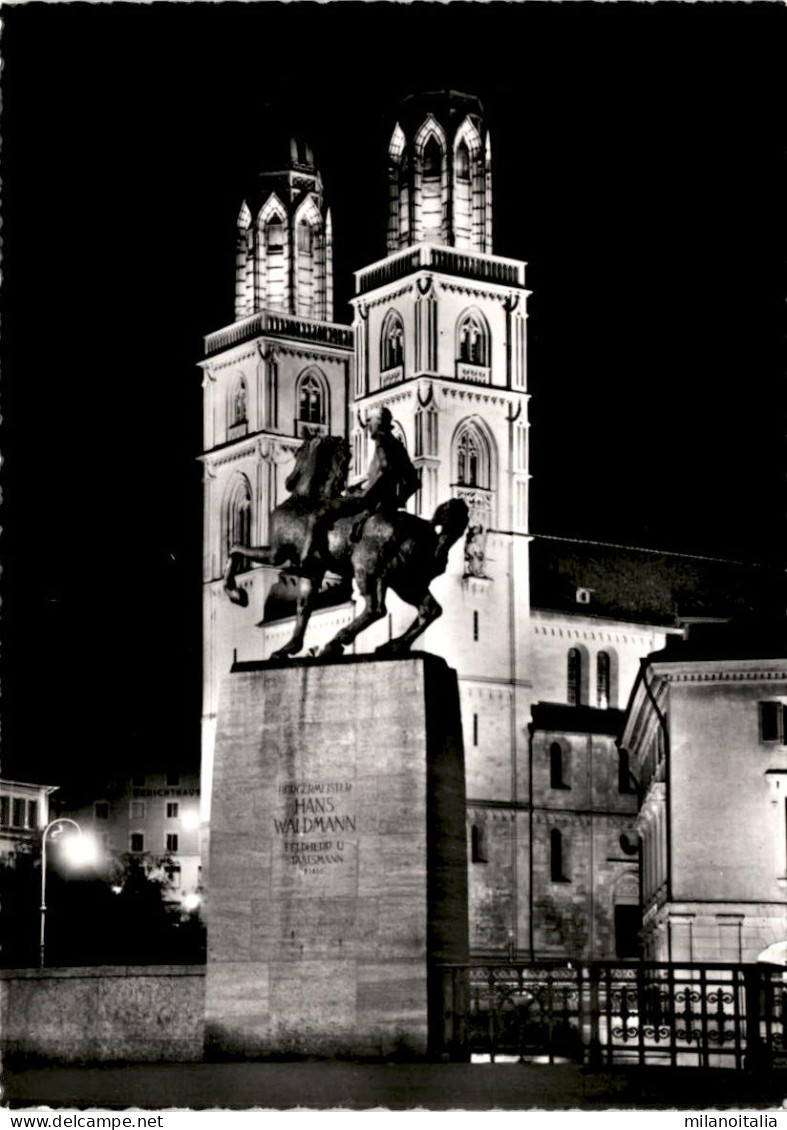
237,523
304,238
274,235
392,342
432,190
473,339
433,159
239,403
462,163
312,400
472,459
574,676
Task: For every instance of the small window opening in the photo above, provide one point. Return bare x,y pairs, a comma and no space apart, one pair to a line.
477,844
556,767
556,863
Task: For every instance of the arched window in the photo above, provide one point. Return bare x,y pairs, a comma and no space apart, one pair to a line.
272,255
311,399
237,521
239,407
473,339
556,860
433,158
602,680
472,459
469,195
556,767
574,689
474,469
304,238
432,190
462,162
274,236
392,342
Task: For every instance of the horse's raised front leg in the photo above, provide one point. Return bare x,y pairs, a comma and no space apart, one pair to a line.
308,587
373,610
429,611
239,553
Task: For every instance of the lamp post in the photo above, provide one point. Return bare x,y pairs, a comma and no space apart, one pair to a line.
81,852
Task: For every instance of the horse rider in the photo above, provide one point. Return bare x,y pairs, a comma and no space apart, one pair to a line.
391,479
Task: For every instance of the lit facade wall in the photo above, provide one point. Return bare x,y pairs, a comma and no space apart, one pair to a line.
714,872
155,814
24,813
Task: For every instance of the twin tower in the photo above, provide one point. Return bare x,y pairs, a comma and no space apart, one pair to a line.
438,337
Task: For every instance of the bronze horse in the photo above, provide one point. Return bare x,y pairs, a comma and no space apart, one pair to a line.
400,551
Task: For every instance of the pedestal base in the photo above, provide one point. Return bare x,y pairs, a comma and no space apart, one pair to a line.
338,858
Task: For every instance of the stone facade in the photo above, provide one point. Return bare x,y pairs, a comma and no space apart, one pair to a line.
698,734
112,1014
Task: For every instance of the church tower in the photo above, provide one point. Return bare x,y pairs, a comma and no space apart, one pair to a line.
440,327
280,369
284,251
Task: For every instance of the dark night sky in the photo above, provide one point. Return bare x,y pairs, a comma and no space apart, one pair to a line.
638,160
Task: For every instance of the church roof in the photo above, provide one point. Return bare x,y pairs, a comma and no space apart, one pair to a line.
707,642
450,107
647,586
560,718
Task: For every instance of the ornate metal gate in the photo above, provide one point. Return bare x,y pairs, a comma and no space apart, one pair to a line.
617,1013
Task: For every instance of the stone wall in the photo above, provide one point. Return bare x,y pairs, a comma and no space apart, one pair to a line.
109,1014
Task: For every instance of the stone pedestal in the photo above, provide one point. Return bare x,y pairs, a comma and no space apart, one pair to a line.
338,858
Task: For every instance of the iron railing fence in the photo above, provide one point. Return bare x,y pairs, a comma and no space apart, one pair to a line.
617,1013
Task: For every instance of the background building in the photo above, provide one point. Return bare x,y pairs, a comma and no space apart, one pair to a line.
705,734
24,813
154,814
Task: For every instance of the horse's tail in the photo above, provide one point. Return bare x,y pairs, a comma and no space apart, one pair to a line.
450,522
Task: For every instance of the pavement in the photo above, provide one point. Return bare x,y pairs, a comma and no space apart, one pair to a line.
351,1086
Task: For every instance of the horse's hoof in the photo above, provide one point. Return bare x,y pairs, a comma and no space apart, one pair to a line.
282,653
393,647
331,650
238,596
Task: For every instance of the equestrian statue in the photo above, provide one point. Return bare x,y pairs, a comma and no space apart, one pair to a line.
361,533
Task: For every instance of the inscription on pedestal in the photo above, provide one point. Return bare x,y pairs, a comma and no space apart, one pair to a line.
315,809
315,824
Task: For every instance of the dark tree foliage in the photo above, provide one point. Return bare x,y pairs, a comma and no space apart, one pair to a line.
123,916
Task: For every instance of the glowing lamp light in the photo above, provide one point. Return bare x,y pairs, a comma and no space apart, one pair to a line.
192,902
79,849
190,820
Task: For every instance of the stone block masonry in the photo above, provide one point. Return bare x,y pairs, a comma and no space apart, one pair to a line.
338,858
110,1014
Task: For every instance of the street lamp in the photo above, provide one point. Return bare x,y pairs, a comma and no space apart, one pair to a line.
80,850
